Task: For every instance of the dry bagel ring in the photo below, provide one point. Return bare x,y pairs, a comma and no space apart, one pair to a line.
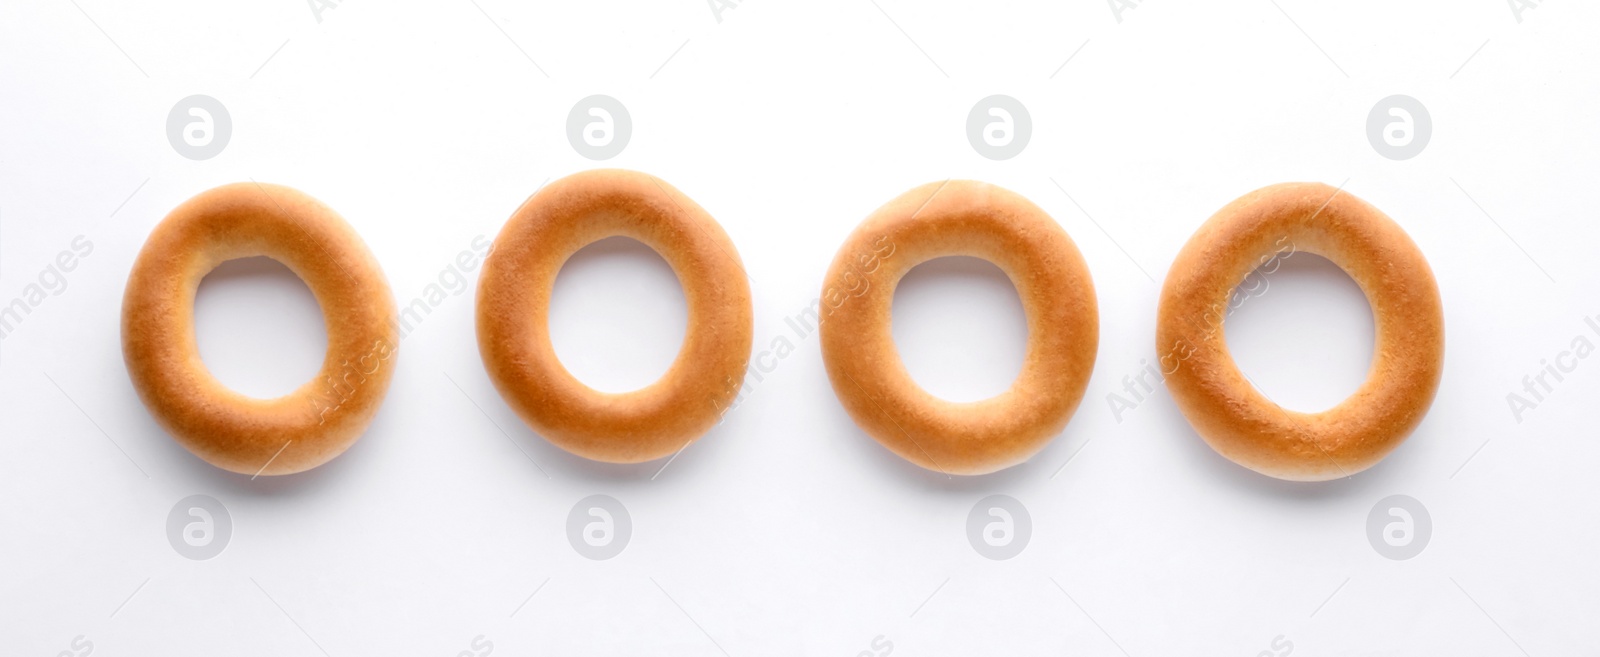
1225,409
514,305
973,219
321,418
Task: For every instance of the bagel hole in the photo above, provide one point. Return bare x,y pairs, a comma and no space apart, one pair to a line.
617,315
1302,332
960,328
259,329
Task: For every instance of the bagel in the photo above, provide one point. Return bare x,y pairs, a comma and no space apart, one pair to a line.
971,219
320,419
513,306
1233,416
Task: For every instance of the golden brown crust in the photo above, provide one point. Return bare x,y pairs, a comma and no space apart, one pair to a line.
514,303
984,221
321,418
1225,409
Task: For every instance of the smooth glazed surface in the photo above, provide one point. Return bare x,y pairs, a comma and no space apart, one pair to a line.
959,218
514,304
1230,413
320,419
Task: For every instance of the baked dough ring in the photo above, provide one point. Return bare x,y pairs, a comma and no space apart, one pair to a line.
1226,410
514,305
321,418
960,217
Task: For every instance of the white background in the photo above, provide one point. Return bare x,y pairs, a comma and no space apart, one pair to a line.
787,530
